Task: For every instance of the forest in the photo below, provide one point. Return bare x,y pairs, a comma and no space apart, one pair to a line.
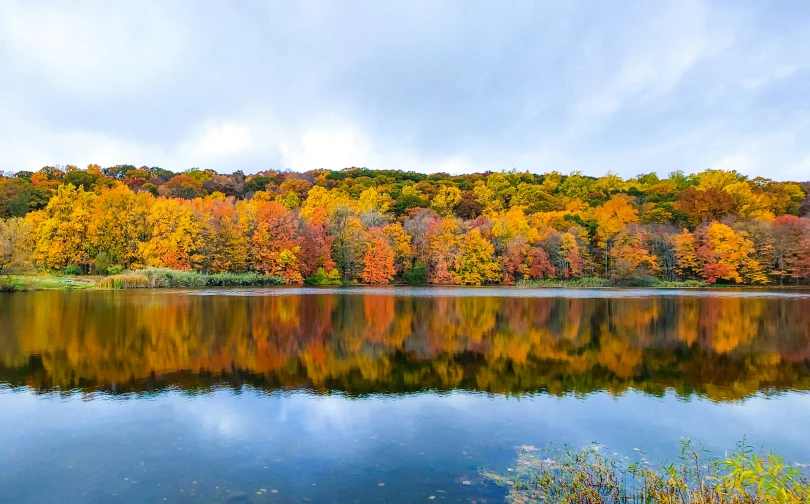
358,225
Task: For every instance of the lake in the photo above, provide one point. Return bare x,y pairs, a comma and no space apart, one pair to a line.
378,394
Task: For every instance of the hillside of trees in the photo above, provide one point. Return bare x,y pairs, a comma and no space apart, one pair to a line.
383,226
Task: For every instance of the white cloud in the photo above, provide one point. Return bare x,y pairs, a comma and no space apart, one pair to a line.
92,47
684,84
332,144
220,140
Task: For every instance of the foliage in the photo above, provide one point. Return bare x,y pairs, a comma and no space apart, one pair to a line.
417,275
102,263
715,226
16,245
322,277
378,261
73,270
589,475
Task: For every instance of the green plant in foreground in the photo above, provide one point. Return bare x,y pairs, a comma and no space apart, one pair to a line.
167,278
589,476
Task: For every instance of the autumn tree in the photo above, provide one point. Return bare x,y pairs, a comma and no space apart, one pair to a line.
612,218
378,261
184,186
118,225
444,238
175,233
685,249
630,255
226,247
569,257
16,245
700,205
348,245
316,244
787,236
446,200
63,229
275,243
725,254
476,263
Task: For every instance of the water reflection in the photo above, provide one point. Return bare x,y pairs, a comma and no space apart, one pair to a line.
721,347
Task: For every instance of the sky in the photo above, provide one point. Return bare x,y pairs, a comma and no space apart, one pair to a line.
626,87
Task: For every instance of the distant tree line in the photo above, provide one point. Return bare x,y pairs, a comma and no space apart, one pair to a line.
382,226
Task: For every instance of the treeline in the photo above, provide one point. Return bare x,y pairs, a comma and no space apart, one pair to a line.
382,226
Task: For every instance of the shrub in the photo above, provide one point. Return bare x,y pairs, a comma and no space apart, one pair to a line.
73,270
164,277
103,263
321,277
168,278
637,281
241,280
416,276
558,282
115,269
693,283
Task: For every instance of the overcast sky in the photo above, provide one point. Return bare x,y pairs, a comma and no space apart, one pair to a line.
435,85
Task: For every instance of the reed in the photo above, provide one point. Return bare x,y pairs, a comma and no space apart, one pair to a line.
124,281
591,476
168,278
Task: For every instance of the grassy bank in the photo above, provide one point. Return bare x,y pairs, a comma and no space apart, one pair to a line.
167,278
591,475
605,282
13,283
147,278
164,277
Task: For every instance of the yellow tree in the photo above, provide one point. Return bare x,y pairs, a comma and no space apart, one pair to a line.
569,257
495,194
400,242
16,245
63,237
446,200
226,246
118,224
371,200
631,256
612,218
728,255
175,236
476,263
443,243
686,262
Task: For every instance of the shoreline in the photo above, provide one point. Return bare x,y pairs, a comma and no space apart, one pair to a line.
46,282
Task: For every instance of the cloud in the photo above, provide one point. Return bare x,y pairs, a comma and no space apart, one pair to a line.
451,86
91,48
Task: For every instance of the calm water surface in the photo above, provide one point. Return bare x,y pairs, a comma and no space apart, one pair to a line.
378,395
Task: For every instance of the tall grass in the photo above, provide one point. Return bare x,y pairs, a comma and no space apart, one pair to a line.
589,476
129,281
605,282
557,282
168,278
